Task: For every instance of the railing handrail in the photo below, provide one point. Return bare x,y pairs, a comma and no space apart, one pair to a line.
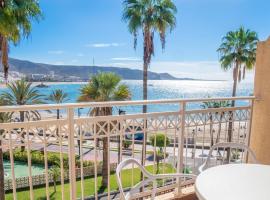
117,103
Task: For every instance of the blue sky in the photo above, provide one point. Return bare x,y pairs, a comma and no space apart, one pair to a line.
75,32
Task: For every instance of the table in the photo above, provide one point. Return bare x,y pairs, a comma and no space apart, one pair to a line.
234,182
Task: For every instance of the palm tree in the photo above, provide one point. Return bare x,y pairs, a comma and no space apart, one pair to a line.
237,52
4,118
15,22
221,104
215,104
20,93
58,96
149,16
55,173
104,87
207,105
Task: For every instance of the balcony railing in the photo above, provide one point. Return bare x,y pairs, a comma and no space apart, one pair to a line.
80,142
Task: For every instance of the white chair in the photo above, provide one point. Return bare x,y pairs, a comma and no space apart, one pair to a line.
228,145
149,178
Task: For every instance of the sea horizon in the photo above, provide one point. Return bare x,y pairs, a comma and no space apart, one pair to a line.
159,89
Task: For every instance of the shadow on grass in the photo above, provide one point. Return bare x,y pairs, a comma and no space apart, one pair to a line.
102,189
45,198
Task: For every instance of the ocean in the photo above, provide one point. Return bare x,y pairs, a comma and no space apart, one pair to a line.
163,89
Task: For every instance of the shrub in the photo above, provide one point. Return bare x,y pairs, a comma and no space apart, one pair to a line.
126,144
37,158
159,140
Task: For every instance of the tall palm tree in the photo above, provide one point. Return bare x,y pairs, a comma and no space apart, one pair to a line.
21,92
4,118
149,16
15,23
207,105
215,104
238,52
221,104
104,87
58,96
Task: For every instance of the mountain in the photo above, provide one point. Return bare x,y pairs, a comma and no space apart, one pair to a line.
82,72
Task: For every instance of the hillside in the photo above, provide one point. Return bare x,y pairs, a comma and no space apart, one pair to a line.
83,72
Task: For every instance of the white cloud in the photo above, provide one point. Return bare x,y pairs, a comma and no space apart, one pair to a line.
57,52
126,59
105,45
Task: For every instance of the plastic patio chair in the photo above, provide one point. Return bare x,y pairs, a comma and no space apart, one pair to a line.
230,145
150,178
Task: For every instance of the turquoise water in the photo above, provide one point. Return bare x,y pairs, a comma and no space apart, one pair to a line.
21,169
165,89
157,90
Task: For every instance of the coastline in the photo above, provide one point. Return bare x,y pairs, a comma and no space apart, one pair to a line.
2,85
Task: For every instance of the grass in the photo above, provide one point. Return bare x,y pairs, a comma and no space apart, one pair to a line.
89,185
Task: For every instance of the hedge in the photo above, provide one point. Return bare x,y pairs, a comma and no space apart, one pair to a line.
37,158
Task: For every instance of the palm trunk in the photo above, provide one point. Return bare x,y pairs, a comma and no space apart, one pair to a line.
58,117
147,53
145,71
145,80
22,131
58,114
105,141
211,130
4,55
105,163
2,173
219,127
230,126
54,186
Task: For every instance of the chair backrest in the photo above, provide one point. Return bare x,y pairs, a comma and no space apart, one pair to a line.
228,147
146,174
148,178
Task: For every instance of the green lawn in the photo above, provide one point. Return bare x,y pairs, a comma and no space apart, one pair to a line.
89,185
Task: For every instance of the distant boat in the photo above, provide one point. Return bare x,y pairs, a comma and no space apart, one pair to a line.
42,85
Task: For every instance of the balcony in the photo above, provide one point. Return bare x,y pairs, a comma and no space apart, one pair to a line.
76,150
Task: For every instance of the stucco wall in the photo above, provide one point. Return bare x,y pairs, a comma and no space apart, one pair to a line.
260,134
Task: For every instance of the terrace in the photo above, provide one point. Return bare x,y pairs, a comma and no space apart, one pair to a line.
76,156
77,140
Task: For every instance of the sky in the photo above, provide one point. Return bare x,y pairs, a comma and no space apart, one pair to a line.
78,32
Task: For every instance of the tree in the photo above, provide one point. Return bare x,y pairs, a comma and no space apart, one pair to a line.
4,118
15,23
58,96
237,52
159,140
149,16
207,105
22,93
104,87
221,104
55,173
215,104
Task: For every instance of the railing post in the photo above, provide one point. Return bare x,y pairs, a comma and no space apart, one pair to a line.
249,126
71,154
181,138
